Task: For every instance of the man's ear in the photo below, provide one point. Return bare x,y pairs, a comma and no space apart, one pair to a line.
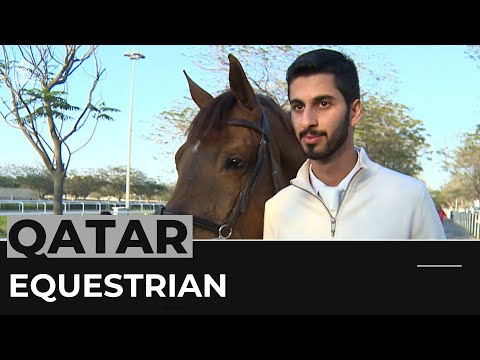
356,112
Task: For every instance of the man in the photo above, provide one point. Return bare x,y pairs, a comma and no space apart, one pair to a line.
339,193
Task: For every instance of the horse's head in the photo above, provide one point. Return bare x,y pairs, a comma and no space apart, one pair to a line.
229,164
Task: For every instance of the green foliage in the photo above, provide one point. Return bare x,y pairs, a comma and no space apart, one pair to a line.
391,137
455,193
114,180
7,181
37,79
141,187
3,226
33,177
463,163
439,198
101,111
79,185
41,103
99,183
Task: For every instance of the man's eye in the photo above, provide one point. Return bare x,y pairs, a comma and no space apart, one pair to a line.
297,107
324,103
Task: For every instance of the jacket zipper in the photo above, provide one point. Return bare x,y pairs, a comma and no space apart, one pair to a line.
333,225
333,220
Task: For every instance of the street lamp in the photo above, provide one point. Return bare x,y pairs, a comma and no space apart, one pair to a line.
132,56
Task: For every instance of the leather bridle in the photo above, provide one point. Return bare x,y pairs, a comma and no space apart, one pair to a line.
225,230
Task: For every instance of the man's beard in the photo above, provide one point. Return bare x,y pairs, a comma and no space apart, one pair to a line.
333,141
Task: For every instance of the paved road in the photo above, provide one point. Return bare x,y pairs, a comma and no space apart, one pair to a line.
453,231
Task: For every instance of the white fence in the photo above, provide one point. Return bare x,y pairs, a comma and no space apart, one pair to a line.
17,207
469,219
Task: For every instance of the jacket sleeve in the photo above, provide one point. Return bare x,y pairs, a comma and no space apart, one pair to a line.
268,232
426,222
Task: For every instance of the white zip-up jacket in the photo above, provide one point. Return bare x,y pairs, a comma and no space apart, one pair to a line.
378,203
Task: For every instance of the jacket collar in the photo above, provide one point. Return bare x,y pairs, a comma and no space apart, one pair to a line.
368,168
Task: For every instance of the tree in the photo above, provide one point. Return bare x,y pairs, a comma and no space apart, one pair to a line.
438,197
265,70
82,184
7,181
463,163
33,177
454,193
114,179
36,79
147,188
265,67
172,125
165,193
390,136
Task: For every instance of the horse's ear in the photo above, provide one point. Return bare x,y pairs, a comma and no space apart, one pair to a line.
240,85
200,96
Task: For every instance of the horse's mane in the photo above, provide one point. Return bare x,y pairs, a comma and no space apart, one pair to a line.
211,120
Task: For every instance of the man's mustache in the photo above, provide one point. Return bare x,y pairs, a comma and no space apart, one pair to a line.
302,133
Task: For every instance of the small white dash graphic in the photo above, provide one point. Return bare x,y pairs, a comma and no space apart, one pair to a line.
439,266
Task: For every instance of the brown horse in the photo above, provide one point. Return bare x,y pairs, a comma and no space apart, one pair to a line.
241,148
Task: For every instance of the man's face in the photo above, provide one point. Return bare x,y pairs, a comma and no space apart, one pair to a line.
320,115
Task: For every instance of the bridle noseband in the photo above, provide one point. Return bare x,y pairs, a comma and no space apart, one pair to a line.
225,231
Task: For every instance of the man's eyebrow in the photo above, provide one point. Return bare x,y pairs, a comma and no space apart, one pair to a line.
323,97
315,99
296,101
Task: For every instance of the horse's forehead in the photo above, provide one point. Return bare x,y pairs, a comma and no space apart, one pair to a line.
232,138
195,147
243,113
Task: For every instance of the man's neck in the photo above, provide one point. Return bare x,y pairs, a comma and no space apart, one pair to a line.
333,170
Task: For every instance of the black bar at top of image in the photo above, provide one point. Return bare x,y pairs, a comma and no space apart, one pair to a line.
281,277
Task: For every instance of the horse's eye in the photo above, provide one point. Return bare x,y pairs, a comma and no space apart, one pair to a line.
234,163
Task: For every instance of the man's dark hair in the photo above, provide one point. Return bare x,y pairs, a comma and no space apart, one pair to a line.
332,62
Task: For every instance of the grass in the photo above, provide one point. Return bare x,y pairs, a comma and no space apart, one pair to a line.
3,226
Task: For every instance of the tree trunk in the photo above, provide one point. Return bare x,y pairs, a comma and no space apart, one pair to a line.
58,181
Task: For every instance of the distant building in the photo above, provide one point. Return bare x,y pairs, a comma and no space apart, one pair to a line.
17,194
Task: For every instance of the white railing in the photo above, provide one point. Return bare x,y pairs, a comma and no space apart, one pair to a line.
16,207
469,219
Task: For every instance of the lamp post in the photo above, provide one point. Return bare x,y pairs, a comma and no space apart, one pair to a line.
132,56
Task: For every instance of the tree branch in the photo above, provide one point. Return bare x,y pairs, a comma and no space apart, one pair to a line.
87,106
62,75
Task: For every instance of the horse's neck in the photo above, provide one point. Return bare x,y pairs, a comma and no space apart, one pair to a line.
291,155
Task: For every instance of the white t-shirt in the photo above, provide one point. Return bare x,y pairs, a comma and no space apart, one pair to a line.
317,184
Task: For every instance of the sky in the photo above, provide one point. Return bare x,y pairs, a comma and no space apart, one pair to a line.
439,84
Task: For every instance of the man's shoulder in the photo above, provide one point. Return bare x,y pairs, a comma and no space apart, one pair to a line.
387,175
399,179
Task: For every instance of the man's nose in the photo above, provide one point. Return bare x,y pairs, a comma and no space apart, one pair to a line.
309,118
